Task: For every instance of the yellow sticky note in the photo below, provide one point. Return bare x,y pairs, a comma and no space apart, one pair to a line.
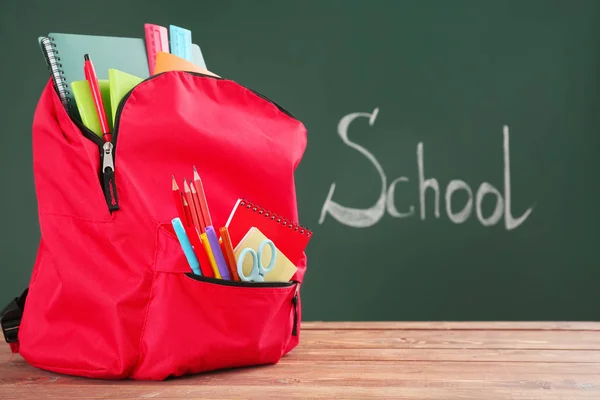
283,270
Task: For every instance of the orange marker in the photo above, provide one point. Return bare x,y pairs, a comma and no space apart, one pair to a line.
227,249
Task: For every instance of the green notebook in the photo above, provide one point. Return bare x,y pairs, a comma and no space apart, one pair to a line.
120,84
86,107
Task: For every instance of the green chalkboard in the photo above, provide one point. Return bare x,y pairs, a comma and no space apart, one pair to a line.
452,154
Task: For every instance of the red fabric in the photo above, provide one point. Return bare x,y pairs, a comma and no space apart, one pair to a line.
109,296
14,347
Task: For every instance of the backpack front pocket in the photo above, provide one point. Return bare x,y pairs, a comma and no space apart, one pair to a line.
195,324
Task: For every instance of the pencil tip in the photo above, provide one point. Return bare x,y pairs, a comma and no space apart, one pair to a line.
196,175
186,187
174,183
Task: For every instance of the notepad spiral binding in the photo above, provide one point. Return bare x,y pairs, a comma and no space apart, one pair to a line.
275,217
54,66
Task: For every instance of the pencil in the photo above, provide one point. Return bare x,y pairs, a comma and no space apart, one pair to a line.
227,249
186,210
197,206
190,201
178,201
202,199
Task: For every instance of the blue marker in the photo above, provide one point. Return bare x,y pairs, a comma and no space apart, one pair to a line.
184,241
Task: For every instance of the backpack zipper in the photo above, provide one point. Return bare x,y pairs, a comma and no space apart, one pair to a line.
108,175
109,149
295,303
107,165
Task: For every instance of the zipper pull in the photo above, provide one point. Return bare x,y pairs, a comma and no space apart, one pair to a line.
108,177
295,303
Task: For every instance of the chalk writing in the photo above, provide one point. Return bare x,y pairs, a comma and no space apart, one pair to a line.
366,217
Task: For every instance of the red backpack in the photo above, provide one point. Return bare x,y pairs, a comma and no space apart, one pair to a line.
111,293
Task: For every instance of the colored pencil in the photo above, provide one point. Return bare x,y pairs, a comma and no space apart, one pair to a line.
227,249
190,201
178,202
197,206
202,199
186,209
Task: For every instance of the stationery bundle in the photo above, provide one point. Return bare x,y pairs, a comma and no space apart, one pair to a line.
225,255
162,282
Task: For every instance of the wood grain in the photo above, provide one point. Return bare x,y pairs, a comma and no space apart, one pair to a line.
451,339
495,355
487,326
385,360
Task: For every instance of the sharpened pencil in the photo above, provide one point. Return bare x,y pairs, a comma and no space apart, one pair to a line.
186,209
197,206
202,199
190,201
178,202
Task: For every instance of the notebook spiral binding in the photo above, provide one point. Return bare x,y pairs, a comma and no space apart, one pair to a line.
55,68
276,218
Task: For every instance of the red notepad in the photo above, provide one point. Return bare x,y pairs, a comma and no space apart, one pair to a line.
290,238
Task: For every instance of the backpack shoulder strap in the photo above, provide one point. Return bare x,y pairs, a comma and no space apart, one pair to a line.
10,319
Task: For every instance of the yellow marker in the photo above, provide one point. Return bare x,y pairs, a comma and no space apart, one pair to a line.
210,255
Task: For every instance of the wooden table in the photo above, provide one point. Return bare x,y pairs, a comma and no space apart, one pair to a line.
444,360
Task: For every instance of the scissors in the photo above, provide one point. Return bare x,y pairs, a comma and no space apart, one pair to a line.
258,269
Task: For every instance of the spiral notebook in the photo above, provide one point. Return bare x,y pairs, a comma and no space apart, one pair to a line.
55,71
290,238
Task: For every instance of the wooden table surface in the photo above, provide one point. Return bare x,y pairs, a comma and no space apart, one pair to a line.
418,360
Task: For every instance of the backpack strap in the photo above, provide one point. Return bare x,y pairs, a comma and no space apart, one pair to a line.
10,319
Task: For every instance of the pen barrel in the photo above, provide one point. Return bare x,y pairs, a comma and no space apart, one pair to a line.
90,75
217,253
